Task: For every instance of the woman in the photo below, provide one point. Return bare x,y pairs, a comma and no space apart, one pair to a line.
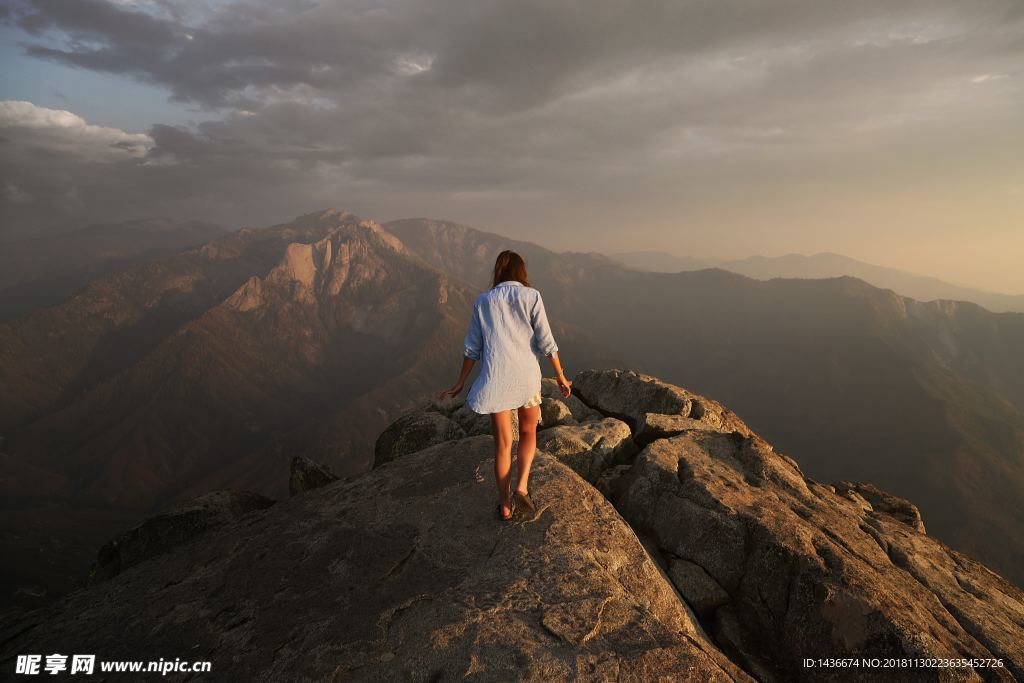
508,329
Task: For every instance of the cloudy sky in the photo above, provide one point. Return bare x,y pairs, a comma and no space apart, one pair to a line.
889,130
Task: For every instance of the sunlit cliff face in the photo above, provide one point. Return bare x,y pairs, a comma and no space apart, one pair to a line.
886,131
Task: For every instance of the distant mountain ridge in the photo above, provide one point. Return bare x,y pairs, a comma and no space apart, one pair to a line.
42,271
827,265
663,262
350,279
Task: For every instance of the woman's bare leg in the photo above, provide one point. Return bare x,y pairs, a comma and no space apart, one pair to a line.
527,446
501,427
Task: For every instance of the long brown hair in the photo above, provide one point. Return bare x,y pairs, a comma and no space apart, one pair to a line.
510,266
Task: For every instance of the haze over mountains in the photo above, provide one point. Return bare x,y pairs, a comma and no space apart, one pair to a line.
212,367
825,265
42,271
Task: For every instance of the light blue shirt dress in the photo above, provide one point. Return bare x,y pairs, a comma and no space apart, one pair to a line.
508,333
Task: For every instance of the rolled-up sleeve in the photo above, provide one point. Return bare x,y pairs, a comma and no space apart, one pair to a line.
543,341
474,341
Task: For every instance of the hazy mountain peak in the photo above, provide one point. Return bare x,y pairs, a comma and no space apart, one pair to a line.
342,215
349,256
829,254
385,237
316,222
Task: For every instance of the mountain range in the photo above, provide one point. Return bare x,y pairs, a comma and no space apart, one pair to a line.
828,265
213,366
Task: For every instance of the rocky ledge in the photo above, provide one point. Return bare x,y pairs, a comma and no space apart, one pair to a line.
670,543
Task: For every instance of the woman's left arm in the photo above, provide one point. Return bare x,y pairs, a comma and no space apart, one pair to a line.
543,342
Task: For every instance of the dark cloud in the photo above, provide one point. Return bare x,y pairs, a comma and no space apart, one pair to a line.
97,20
485,102
490,56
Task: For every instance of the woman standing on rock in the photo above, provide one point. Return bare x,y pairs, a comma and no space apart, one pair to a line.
508,329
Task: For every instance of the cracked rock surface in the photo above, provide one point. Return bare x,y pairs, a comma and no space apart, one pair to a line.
792,569
590,448
402,574
579,411
406,573
779,567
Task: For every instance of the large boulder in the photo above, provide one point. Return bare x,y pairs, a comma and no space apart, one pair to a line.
413,432
810,572
590,448
402,574
553,413
630,394
169,530
652,408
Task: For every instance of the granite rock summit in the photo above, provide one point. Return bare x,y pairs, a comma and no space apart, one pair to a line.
670,542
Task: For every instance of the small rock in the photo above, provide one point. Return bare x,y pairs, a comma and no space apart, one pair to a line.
898,508
413,432
307,475
553,413
658,426
857,500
